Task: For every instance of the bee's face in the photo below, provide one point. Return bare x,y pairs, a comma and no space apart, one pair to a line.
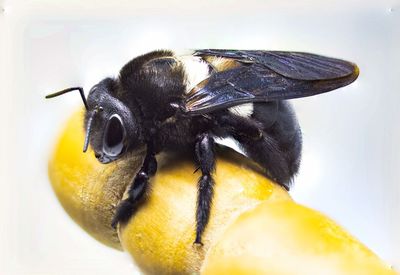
110,125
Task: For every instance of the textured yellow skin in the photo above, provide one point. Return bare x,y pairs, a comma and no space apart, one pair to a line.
283,238
255,227
88,190
160,236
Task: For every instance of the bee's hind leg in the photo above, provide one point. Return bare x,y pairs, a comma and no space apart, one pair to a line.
259,146
265,151
137,190
205,157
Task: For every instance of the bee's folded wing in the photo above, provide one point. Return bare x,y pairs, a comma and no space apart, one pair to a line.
265,76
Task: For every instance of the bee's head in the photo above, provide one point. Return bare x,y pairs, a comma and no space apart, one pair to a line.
111,127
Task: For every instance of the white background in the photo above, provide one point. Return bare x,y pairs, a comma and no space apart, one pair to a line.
351,163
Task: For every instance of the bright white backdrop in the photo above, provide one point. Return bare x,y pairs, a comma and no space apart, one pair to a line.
351,163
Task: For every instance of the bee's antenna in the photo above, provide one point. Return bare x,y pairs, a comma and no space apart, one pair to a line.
88,128
80,89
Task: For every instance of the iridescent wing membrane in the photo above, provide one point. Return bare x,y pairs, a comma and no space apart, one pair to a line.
251,76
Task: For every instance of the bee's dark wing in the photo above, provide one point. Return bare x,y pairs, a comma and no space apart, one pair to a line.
250,76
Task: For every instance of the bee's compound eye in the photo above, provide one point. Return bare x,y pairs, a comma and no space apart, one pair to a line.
114,136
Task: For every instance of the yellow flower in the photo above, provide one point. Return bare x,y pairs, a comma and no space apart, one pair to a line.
255,227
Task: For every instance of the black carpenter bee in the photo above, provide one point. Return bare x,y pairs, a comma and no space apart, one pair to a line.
169,102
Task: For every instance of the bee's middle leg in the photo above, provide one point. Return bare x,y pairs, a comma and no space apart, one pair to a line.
137,190
205,156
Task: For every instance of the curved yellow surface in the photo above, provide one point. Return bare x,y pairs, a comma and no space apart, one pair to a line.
88,190
254,225
160,236
285,238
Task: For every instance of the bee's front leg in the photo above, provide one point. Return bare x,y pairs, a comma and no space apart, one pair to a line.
205,156
137,190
